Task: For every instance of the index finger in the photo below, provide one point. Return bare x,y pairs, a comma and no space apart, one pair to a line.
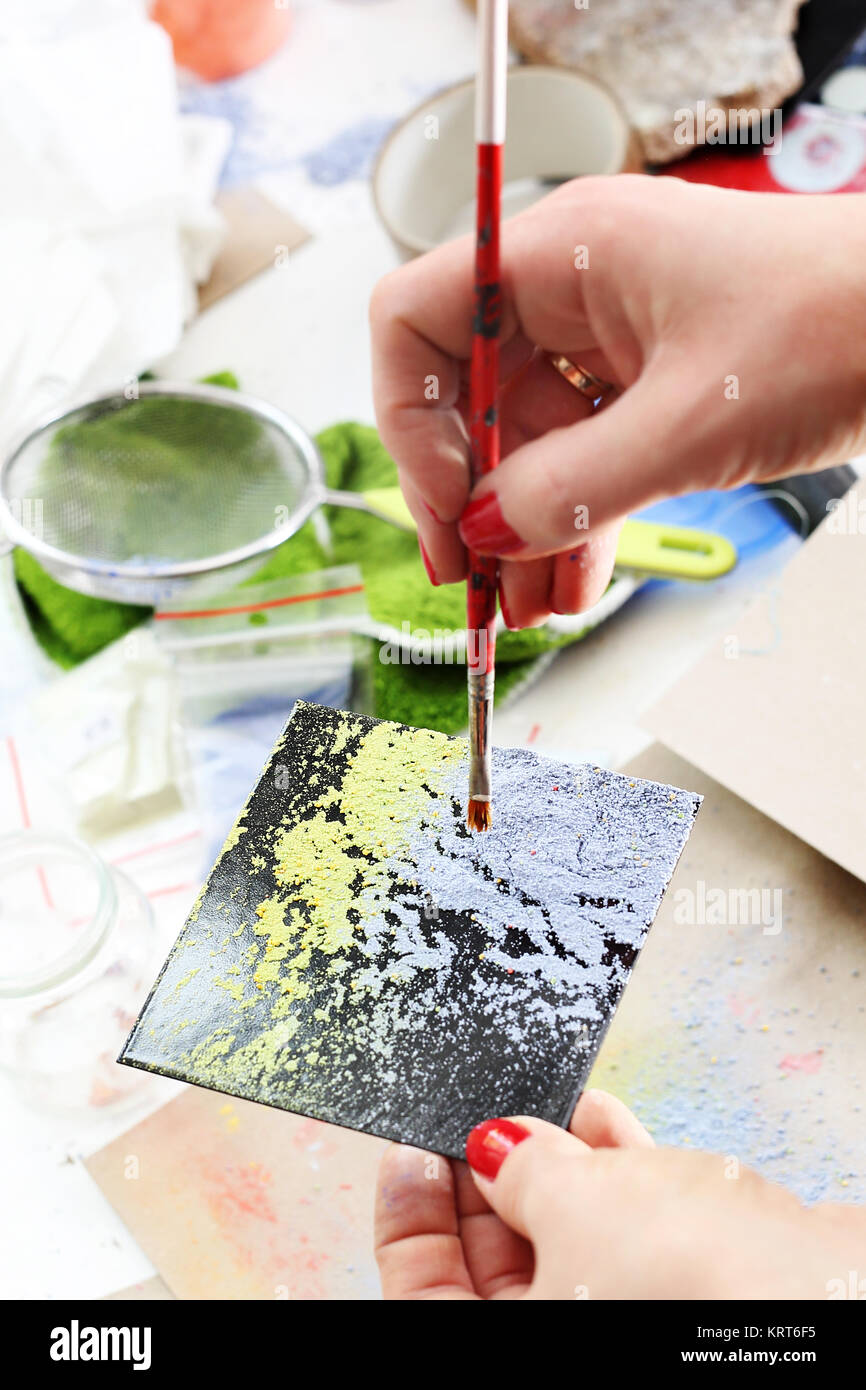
420,317
421,320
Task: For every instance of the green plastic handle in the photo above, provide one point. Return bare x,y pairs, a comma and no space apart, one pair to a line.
644,547
391,503
673,552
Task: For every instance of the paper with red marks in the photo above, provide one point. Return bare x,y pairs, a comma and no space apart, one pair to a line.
232,1200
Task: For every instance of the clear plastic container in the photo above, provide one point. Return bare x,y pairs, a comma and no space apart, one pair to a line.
77,957
241,659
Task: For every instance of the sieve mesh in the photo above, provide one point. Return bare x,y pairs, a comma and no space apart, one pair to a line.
166,479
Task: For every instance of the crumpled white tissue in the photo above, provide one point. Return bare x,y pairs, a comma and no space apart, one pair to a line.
106,202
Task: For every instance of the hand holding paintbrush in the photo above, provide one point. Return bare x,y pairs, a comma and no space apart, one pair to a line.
484,392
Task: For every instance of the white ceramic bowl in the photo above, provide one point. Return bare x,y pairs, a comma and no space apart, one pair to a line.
561,124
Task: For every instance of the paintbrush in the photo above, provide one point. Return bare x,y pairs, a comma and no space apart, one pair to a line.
484,392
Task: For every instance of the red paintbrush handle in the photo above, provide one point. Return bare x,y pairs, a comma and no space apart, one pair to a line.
484,400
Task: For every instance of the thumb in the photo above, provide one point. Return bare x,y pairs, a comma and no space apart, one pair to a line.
546,495
521,1166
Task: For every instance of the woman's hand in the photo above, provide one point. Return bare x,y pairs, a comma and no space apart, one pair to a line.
599,1212
730,323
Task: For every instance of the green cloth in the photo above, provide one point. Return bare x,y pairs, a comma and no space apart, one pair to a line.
71,627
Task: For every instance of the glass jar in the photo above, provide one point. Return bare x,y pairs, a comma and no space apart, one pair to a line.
77,957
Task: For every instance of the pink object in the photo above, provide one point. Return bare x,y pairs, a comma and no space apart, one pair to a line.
809,1062
221,38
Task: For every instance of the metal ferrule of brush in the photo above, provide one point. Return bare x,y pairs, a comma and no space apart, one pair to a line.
480,714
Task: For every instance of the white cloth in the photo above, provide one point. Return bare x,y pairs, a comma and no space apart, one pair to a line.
106,212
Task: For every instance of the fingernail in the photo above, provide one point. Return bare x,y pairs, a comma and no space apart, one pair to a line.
431,573
505,614
429,509
490,1143
483,527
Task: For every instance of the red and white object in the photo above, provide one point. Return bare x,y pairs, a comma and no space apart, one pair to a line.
817,151
483,577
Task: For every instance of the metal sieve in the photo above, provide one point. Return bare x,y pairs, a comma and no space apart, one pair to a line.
141,497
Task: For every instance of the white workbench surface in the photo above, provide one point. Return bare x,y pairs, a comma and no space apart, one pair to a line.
298,336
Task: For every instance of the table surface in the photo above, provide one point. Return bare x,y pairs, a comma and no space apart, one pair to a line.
307,125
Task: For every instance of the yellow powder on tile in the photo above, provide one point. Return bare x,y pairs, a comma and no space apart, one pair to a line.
214,1059
217,1046
232,987
196,907
341,737
333,873
232,838
333,864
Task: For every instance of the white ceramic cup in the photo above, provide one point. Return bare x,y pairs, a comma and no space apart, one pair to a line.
560,125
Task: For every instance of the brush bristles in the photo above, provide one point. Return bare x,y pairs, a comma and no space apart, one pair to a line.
478,815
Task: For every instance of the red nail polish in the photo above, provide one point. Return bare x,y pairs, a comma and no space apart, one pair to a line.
482,527
429,510
431,573
505,614
490,1143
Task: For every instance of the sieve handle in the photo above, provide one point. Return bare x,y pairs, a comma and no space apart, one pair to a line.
385,503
